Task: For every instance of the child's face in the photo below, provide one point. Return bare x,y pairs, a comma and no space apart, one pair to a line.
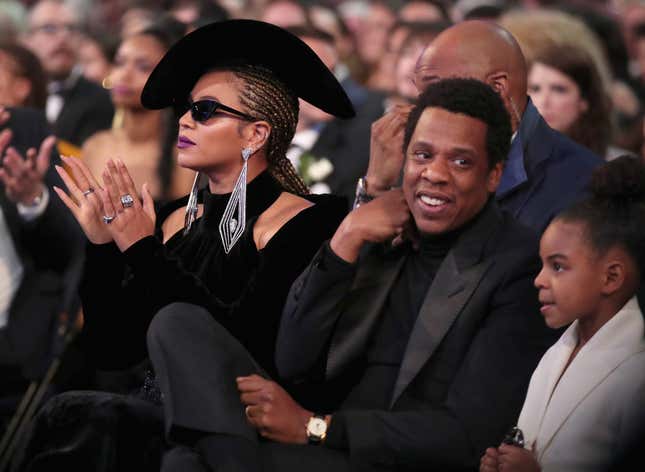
570,281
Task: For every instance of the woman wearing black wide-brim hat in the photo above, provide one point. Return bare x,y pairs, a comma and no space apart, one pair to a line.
218,261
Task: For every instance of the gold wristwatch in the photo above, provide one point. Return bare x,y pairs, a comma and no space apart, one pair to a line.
316,429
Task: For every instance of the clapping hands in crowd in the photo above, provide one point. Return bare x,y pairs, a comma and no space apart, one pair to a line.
23,176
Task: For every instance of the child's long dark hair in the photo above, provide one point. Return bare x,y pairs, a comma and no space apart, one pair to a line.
614,213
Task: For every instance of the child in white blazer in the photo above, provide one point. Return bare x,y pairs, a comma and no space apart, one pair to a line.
585,406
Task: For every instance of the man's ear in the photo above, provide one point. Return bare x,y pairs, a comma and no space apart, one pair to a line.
494,176
499,82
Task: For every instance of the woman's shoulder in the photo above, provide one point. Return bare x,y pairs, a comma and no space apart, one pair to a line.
170,217
292,215
99,140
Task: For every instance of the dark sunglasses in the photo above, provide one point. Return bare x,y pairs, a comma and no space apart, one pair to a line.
202,110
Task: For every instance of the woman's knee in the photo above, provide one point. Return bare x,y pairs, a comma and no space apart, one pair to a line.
176,321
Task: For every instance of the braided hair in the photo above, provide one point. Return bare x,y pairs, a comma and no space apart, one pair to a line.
268,99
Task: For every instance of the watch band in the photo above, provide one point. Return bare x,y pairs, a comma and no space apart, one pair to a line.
362,196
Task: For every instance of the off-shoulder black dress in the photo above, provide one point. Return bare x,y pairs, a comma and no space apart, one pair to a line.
244,290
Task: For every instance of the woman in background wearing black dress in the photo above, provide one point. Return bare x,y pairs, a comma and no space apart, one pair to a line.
235,254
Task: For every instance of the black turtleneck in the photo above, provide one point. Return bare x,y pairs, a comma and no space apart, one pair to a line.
399,316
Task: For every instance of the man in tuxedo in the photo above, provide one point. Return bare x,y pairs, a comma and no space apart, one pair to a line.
344,144
545,171
76,108
39,244
432,342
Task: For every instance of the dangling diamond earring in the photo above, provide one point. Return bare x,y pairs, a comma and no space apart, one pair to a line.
233,220
191,207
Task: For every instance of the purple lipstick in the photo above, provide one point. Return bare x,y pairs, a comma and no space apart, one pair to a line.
183,142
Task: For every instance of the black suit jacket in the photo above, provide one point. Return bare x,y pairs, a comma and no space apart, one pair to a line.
87,108
346,143
550,172
47,247
462,381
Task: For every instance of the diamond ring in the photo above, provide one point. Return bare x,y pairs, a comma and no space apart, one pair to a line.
88,191
108,219
127,201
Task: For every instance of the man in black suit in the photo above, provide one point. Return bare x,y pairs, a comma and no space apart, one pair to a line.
76,108
545,171
432,342
39,245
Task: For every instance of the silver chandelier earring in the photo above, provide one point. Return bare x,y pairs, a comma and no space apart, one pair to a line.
191,207
233,220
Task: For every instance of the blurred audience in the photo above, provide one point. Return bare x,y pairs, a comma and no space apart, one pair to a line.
372,36
285,13
23,82
423,10
143,139
329,153
95,56
76,107
39,246
418,37
566,88
196,13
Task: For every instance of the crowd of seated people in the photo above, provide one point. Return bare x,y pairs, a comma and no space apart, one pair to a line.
466,297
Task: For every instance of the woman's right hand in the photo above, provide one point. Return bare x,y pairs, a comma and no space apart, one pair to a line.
86,206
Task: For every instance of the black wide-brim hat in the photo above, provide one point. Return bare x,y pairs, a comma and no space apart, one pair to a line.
239,42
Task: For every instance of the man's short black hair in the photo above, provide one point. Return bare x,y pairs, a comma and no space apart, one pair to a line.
472,98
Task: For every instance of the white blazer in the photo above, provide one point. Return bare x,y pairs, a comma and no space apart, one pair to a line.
598,406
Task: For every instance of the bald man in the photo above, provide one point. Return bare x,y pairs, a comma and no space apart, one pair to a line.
545,171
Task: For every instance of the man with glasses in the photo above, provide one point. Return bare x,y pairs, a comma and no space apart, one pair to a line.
76,108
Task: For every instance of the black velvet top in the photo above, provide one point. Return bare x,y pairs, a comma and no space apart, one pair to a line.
244,290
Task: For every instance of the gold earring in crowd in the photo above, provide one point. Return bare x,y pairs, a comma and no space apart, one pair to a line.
106,83
233,222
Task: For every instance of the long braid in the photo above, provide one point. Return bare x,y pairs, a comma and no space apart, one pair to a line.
268,99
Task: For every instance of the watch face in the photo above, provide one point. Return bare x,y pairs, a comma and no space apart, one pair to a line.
317,427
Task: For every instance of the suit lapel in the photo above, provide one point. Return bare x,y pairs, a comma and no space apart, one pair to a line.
543,383
531,146
368,295
457,278
617,340
444,302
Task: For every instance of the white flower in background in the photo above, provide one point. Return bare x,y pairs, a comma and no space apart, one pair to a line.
319,188
320,169
314,170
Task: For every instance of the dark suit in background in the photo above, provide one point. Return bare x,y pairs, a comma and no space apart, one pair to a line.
474,345
48,248
346,143
545,172
87,108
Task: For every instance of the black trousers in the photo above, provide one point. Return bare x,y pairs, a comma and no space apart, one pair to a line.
196,361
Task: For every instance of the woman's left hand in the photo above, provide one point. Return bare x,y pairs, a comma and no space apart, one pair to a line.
133,219
516,459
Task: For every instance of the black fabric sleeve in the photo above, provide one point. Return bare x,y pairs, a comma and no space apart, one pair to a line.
313,305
